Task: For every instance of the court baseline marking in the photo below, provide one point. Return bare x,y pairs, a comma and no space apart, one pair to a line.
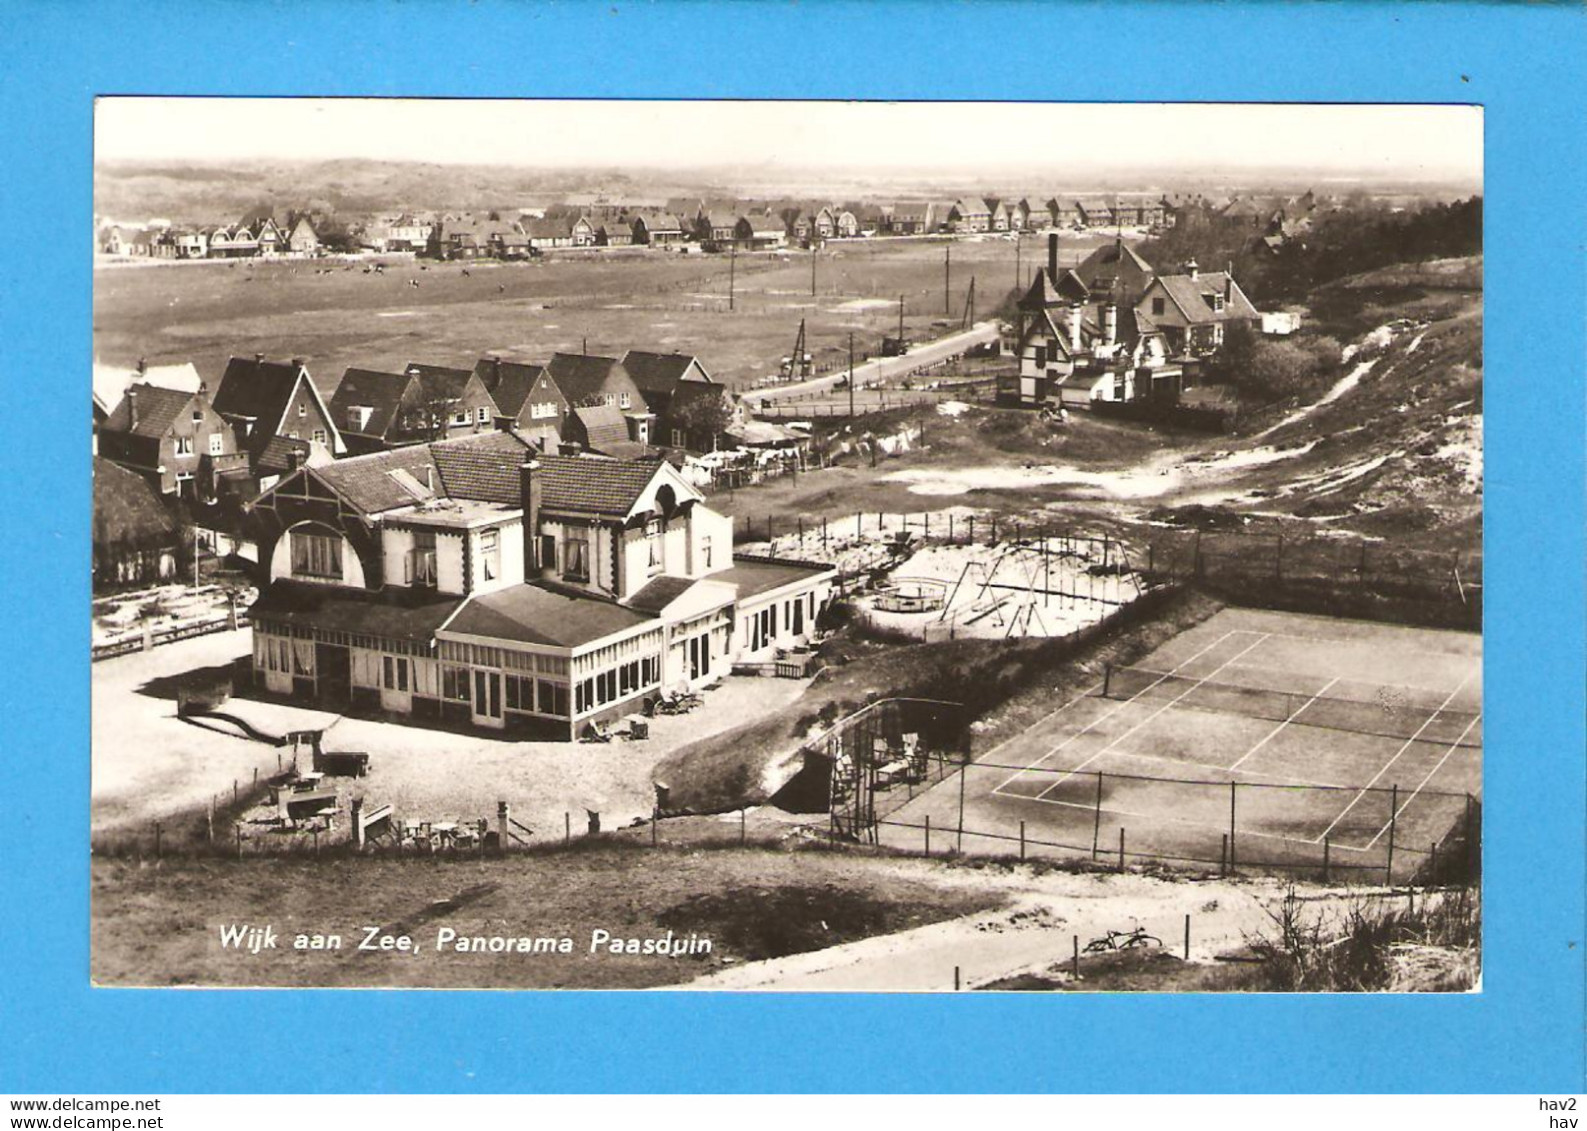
1453,746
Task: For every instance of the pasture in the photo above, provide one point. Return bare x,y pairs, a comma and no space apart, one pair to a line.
335,315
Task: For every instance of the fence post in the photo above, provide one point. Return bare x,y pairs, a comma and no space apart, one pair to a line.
1121,848
357,819
1223,856
567,828
503,815
1233,786
655,824
1022,840
1096,824
928,834
741,830
239,841
1187,936
1394,811
1432,865
1326,852
1076,966
209,821
964,772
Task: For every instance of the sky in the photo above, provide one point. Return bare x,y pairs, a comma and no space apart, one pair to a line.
1387,141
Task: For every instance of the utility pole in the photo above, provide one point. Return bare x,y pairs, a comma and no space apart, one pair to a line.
947,281
1019,244
813,249
900,319
851,374
732,263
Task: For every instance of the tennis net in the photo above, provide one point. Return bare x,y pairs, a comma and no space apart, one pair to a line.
1388,712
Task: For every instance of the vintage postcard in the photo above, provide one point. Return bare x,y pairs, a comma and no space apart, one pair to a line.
787,546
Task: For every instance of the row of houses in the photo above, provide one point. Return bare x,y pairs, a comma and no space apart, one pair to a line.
1114,330
266,418
258,236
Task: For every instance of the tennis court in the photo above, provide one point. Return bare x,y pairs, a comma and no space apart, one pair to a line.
1256,738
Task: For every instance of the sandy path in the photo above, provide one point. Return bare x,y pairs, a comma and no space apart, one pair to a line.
1034,933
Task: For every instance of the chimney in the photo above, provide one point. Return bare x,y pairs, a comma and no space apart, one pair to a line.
1052,258
1228,288
143,367
1076,312
529,491
132,409
1192,268
258,357
1110,322
294,458
297,363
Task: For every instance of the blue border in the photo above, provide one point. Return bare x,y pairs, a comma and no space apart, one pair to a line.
1523,1033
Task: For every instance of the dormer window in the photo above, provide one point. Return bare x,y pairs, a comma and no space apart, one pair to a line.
576,556
420,566
1217,302
653,536
490,554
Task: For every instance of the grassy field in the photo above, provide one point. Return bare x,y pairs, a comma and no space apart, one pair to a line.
161,924
342,317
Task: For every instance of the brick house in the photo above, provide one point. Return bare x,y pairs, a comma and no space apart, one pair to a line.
174,438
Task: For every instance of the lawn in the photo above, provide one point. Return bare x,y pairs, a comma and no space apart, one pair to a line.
335,319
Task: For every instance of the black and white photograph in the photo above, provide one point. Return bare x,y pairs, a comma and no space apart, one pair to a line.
787,545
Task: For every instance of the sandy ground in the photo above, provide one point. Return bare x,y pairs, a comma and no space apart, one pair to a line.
148,763
1035,932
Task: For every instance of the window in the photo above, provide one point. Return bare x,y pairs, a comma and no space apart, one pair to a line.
217,444
490,554
653,537
623,400
316,555
460,417
198,417
1158,306
454,683
611,398
303,410
482,415
520,692
394,673
705,551
678,439
318,435
1217,302
1041,356
576,556
357,417
183,445
543,409
420,566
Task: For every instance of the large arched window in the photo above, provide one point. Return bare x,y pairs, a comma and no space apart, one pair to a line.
315,552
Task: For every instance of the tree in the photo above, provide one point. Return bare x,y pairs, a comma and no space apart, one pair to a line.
701,416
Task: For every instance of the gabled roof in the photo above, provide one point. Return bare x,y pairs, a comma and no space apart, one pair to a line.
658,221
111,382
658,594
371,483
604,426
1193,297
256,389
1111,258
592,485
1043,295
509,383
581,376
158,409
657,372
379,392
437,381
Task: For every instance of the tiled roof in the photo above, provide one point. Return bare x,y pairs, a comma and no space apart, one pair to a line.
272,455
258,389
438,380
508,382
380,392
158,409
367,482
656,372
582,376
401,614
603,426
535,613
111,382
1112,258
483,467
592,485
1193,296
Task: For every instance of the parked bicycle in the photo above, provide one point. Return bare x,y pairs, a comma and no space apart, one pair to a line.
1122,940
